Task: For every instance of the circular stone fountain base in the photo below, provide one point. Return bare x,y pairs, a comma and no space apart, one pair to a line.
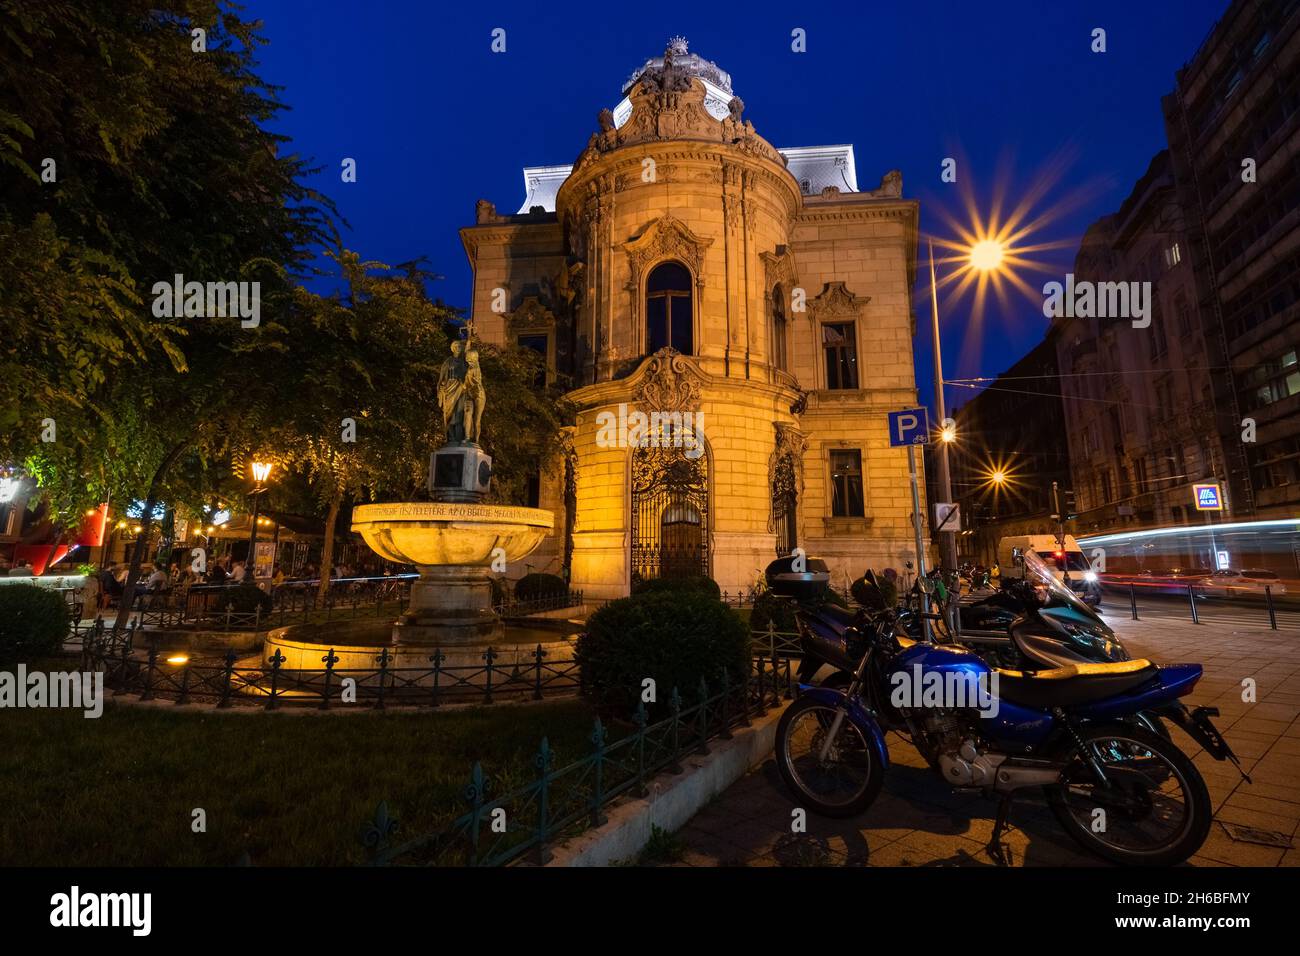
359,644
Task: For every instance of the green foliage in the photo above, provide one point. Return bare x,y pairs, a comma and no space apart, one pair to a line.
673,637
163,165
537,585
33,622
693,583
769,607
664,846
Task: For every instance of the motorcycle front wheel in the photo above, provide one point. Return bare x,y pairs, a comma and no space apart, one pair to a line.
1156,809
844,780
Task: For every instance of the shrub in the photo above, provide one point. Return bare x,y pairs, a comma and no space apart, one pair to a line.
33,622
533,586
695,583
244,599
778,610
673,637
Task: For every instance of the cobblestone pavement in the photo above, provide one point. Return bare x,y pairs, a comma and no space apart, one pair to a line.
918,821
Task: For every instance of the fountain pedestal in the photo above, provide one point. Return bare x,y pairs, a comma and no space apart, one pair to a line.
451,604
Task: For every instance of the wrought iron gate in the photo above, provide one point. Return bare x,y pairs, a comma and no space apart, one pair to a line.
785,506
670,514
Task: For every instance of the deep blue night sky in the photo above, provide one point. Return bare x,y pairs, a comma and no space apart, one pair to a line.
436,121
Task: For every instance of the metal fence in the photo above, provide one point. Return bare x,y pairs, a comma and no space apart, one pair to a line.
134,663
522,824
1202,604
226,607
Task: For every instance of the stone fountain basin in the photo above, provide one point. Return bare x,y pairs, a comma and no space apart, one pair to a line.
431,533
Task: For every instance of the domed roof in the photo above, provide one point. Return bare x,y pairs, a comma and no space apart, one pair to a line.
716,80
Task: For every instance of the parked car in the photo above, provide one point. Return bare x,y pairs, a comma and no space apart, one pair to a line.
1249,582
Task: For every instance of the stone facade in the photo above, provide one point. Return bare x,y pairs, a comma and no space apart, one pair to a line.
759,274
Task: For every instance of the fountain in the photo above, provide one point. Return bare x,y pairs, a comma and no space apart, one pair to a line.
454,541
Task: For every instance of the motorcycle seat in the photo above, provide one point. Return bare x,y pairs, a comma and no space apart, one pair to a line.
1073,684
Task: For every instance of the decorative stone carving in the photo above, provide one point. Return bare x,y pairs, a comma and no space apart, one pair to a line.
486,212
531,315
779,267
835,301
735,108
665,238
891,186
670,383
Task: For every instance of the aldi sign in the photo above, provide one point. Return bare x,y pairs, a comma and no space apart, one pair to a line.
1208,497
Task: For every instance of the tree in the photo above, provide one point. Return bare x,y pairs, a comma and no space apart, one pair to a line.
138,158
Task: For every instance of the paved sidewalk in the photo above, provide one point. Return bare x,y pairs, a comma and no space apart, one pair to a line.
919,821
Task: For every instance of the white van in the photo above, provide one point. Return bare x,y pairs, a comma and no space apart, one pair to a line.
1058,558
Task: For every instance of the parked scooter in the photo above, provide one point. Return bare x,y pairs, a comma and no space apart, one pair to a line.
1066,729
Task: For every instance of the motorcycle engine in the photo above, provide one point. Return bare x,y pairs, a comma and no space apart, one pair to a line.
959,757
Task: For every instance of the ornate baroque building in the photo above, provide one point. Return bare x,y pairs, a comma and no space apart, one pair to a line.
683,265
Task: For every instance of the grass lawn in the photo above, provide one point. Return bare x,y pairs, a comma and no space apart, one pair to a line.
286,789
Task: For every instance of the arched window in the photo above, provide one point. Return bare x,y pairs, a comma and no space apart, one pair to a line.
780,357
668,308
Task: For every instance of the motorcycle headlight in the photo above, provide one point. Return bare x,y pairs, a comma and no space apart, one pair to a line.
1096,640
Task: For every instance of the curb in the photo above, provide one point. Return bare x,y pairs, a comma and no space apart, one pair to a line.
673,799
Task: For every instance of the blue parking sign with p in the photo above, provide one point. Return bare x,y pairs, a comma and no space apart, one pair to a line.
909,427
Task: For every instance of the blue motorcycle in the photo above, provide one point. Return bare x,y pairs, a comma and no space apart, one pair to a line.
1121,791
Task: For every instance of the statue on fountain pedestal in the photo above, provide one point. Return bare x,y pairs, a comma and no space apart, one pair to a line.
461,395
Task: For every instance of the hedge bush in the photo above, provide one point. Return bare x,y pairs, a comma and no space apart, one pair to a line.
33,622
533,586
778,610
696,583
673,637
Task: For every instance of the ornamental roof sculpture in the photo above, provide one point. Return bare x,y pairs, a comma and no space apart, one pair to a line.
685,96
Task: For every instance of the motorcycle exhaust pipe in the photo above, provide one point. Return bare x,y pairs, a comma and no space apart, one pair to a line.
1016,776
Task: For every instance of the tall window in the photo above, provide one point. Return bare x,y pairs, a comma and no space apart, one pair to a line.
846,483
668,308
780,358
839,344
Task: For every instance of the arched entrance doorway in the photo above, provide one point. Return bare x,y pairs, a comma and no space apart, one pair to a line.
670,514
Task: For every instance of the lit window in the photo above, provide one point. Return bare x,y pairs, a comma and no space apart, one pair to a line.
839,345
668,309
846,483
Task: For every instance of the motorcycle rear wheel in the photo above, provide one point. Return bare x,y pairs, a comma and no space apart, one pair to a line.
845,783
1143,767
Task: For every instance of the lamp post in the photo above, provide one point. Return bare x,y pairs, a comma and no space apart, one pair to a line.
983,256
261,471
948,539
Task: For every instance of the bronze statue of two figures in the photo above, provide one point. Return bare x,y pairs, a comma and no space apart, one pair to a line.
460,470
461,395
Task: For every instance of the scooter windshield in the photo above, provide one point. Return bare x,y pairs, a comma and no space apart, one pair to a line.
1038,573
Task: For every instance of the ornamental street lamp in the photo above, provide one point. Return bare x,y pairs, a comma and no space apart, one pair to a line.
261,471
